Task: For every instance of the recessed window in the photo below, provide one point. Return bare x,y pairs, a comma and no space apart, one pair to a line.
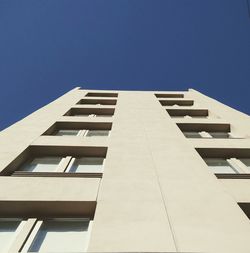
60,235
101,94
174,102
97,102
194,113
234,161
219,166
104,115
80,129
42,164
219,135
56,161
83,133
90,112
192,134
203,134
64,165
67,132
97,133
8,228
206,130
246,162
87,165
169,95
84,115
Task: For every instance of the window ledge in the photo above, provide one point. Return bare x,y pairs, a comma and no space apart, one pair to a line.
233,176
55,174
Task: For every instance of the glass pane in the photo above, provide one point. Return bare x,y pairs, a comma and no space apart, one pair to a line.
192,134
246,161
67,132
7,230
219,165
88,165
42,164
104,115
82,115
61,236
219,135
197,117
97,133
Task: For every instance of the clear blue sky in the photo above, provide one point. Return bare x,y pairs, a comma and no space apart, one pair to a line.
48,47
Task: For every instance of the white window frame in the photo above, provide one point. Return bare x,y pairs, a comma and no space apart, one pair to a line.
39,223
67,170
60,164
237,165
242,166
231,163
205,134
57,130
85,115
86,132
199,133
17,232
64,165
229,135
104,115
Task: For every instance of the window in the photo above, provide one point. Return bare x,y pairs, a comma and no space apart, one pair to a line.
77,128
83,133
97,101
207,130
246,162
90,112
226,161
194,113
55,161
174,102
8,228
220,166
46,234
42,164
67,164
192,134
101,94
169,95
59,235
87,165
203,134
223,129
67,132
84,115
219,135
104,115
99,133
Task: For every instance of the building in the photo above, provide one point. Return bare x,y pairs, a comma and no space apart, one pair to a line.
126,171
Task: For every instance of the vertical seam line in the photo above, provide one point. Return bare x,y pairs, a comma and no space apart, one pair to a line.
162,195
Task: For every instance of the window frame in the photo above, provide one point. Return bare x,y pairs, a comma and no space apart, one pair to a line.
16,233
72,161
63,169
58,130
28,161
38,224
230,163
87,131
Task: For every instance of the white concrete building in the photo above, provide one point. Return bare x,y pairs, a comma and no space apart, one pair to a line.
126,171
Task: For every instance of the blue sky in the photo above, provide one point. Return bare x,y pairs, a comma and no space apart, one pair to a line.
48,47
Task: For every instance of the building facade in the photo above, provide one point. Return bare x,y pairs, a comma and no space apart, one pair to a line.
126,171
